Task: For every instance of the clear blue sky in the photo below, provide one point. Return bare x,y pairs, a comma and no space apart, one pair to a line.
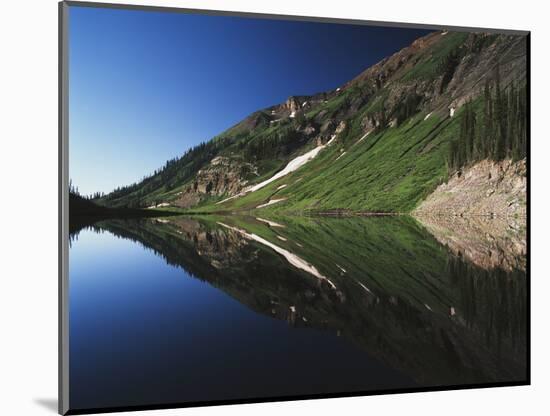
145,86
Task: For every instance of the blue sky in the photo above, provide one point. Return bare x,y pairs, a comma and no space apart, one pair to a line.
145,86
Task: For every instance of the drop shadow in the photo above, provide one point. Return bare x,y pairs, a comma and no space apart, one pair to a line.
49,404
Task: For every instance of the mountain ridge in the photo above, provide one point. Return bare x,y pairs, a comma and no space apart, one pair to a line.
412,95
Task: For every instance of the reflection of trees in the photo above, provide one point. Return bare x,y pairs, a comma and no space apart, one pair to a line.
493,302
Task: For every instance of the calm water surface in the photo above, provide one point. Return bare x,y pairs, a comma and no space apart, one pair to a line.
178,309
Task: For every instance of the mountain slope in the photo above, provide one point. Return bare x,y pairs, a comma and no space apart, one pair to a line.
378,143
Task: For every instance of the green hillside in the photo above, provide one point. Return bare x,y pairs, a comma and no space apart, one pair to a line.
389,171
384,140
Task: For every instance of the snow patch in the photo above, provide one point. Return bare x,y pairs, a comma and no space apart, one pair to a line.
304,103
271,202
364,287
452,112
282,186
338,89
271,223
228,199
364,136
292,166
292,258
163,204
281,238
293,114
427,116
340,156
341,268
329,142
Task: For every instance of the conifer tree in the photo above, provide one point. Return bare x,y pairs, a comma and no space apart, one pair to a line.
499,130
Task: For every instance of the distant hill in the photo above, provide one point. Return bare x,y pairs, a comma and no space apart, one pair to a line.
85,212
382,142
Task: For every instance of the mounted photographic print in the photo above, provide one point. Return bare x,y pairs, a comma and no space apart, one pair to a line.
259,208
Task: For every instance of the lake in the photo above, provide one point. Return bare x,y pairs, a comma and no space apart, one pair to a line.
188,309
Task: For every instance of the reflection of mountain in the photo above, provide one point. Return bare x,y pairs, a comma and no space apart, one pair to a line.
488,242
397,293
85,212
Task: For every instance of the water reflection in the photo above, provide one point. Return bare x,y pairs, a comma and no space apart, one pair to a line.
442,310
490,243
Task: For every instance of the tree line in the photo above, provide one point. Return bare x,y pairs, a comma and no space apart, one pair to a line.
174,172
73,190
496,129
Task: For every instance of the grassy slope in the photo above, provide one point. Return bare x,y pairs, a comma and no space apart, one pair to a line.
429,61
390,171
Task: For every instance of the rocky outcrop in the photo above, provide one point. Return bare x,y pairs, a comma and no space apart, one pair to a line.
222,176
463,78
488,188
480,214
292,104
479,56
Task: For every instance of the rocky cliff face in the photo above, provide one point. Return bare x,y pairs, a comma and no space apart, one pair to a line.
488,188
408,75
222,176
